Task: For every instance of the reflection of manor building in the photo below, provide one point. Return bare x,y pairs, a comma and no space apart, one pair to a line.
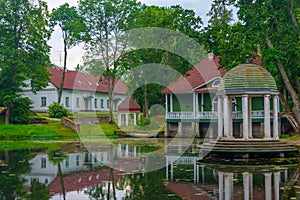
196,101
44,171
85,170
81,92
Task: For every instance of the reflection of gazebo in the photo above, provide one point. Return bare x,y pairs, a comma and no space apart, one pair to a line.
128,108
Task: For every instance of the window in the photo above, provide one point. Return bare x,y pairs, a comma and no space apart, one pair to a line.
234,105
67,163
102,103
107,103
43,102
215,104
216,83
67,102
46,181
43,163
77,102
77,160
96,103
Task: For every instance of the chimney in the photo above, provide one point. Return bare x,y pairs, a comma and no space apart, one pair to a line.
211,55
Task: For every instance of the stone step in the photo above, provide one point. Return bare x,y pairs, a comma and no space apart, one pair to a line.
246,146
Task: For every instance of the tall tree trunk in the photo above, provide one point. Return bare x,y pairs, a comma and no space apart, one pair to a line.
7,114
145,111
110,84
61,179
287,84
64,73
8,106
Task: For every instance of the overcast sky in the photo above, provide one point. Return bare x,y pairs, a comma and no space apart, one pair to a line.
200,7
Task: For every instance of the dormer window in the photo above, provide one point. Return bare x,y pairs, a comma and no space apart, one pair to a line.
216,83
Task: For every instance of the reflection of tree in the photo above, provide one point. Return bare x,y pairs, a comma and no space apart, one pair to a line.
56,157
38,191
11,184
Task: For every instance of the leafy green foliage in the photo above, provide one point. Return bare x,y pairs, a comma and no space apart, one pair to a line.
56,110
20,111
24,51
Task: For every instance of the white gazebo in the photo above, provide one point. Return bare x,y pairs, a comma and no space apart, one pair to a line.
247,81
128,109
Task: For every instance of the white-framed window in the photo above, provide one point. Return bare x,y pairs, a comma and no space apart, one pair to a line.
77,102
67,102
77,160
107,103
43,163
96,103
234,104
102,103
67,163
43,101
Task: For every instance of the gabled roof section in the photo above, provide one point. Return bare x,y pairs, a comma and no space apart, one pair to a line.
129,105
83,81
202,73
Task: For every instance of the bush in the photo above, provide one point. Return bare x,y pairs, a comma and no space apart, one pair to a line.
55,110
20,111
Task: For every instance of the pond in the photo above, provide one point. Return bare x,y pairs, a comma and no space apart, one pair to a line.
142,169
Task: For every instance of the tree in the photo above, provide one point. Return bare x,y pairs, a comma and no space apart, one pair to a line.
267,29
23,48
170,18
72,27
106,21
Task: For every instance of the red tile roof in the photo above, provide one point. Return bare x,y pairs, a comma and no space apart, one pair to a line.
83,81
129,105
203,72
75,182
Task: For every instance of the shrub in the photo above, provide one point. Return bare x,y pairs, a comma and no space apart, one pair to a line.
55,110
20,111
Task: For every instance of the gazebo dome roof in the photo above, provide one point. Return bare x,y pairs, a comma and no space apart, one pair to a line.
129,105
248,78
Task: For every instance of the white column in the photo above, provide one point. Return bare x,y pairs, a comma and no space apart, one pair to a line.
119,149
220,117
126,150
250,117
267,121
166,105
275,117
276,185
246,183
221,185
197,104
119,119
195,171
245,116
230,122
226,114
228,186
194,104
134,151
171,102
126,119
167,168
172,168
268,186
134,119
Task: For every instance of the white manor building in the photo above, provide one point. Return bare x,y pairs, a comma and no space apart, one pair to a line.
81,92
